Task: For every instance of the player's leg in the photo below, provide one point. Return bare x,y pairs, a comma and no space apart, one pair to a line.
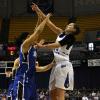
10,89
18,78
57,94
70,78
52,88
61,80
53,95
60,94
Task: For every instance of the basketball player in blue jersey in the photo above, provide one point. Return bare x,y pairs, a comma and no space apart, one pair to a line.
62,74
25,76
18,43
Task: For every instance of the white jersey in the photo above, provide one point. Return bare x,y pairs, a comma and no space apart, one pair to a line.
62,75
66,42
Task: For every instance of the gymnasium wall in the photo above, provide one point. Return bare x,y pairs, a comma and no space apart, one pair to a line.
61,7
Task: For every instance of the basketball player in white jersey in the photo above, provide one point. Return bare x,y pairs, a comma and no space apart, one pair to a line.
62,75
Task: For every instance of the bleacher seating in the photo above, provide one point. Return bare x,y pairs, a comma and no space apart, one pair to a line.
20,24
5,66
27,24
88,23
48,34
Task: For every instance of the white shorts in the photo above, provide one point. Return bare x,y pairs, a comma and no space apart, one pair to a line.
62,76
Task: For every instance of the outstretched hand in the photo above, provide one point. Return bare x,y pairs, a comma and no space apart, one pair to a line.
42,41
34,6
39,45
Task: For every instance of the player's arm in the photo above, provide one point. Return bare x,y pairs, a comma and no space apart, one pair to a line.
50,45
33,38
44,68
51,25
16,64
38,22
68,41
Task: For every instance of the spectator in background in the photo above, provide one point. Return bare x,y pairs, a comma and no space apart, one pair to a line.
3,97
85,97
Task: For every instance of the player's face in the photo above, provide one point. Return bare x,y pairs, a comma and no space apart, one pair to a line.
70,28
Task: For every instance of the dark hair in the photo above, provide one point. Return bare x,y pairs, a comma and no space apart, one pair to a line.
21,38
77,29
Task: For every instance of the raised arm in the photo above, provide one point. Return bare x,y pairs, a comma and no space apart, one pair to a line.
38,22
51,25
31,40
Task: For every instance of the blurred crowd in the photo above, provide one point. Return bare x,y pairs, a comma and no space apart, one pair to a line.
43,94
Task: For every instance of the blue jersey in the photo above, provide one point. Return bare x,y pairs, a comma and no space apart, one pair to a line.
24,86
